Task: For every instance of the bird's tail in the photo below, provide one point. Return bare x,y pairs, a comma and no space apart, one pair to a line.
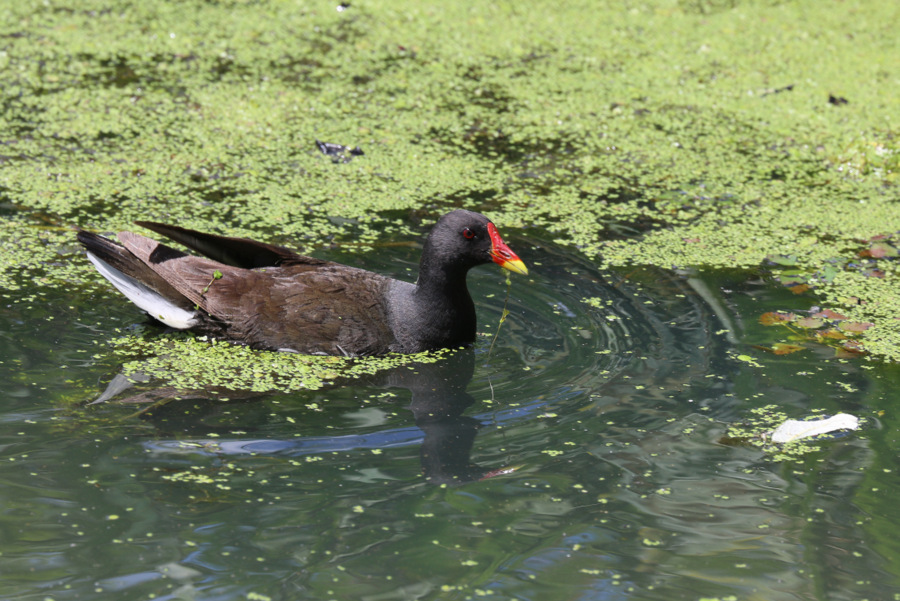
138,282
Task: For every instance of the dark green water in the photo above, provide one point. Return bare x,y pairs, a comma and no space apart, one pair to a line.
552,469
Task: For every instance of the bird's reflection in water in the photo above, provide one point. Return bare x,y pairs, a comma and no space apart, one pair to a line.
438,401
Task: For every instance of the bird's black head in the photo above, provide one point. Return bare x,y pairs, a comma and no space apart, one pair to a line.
463,239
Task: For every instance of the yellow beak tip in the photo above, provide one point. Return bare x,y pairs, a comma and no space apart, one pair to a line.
516,266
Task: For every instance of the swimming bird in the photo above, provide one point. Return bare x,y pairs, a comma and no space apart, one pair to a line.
269,297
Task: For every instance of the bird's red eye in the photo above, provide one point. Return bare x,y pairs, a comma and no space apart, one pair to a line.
467,233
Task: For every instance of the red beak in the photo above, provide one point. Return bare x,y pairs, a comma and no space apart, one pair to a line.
502,254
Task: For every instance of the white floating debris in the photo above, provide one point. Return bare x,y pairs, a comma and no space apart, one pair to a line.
794,429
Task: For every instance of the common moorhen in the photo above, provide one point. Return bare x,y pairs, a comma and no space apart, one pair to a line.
269,297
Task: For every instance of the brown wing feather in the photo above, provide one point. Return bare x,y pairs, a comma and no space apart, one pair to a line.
334,310
188,274
328,308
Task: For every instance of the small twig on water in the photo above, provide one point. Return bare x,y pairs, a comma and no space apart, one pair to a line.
503,316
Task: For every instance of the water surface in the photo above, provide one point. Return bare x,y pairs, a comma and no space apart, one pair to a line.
581,459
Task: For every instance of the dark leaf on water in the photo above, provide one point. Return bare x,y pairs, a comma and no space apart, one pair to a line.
338,152
773,318
879,250
830,334
829,314
810,323
783,348
780,348
855,326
